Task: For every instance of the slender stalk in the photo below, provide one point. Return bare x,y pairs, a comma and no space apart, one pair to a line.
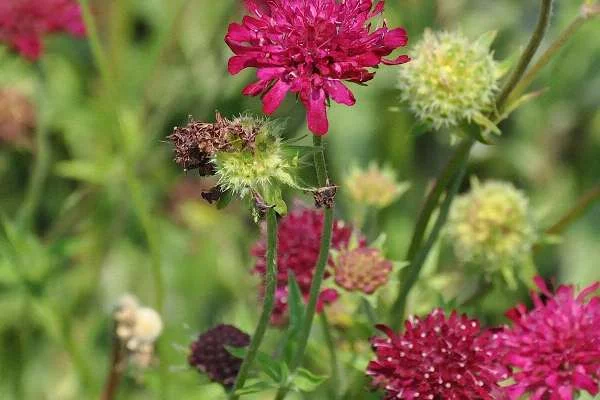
530,50
268,304
582,205
141,206
115,373
39,173
415,268
315,288
335,372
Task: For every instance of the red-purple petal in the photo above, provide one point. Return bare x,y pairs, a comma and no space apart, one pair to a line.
340,93
316,112
274,97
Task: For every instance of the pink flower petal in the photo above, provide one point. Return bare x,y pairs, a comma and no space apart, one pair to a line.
316,112
340,93
274,97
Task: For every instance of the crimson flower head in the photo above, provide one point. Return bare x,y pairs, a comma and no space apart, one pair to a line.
25,23
309,47
437,357
299,238
554,349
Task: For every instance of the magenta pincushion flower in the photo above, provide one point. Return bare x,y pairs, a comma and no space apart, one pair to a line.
310,47
25,23
435,358
554,349
299,237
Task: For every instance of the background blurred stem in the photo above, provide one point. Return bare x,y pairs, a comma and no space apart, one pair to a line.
528,53
42,157
142,209
334,382
315,287
268,303
582,205
551,52
115,373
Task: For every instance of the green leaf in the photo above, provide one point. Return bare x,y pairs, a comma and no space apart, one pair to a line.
295,303
256,387
487,39
239,352
225,199
306,381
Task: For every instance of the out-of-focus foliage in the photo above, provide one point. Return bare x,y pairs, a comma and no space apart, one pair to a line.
110,179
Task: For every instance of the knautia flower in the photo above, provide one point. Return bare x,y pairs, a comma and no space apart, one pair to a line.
450,79
310,47
209,355
554,349
435,358
299,237
491,226
362,269
137,328
374,186
25,23
17,117
245,154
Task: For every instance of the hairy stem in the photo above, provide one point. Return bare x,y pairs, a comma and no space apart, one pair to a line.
268,304
527,56
315,288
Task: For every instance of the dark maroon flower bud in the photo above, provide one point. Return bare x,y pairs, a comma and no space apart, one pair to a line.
209,355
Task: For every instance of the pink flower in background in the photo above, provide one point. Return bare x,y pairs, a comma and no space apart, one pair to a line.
309,47
25,23
299,238
554,349
437,357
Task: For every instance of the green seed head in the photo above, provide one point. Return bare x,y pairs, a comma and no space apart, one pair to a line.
450,79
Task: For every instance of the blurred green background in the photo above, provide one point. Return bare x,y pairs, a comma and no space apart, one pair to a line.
115,203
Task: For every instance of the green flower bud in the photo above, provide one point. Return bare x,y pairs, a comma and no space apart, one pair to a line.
450,79
491,226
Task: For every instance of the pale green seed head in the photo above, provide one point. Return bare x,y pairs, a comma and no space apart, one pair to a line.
491,226
374,186
450,79
262,169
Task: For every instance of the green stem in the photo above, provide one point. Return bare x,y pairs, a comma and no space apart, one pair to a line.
268,304
417,264
335,374
41,165
582,205
315,288
142,208
530,50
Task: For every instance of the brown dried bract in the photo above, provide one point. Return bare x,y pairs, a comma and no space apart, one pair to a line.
325,197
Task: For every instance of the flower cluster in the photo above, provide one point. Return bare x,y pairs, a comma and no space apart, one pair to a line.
17,117
309,48
137,329
209,355
554,349
374,186
450,79
491,225
25,23
299,236
362,269
436,357
245,154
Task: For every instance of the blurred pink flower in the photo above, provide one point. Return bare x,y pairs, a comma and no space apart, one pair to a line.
309,47
25,23
554,349
299,238
437,357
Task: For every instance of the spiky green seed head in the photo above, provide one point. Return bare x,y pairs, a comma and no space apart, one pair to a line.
450,79
261,169
491,226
